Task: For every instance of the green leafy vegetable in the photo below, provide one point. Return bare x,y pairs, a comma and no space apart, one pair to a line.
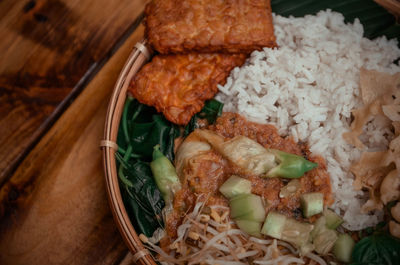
142,199
211,110
377,249
141,129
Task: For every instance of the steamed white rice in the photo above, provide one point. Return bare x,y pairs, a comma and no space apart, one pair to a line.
308,87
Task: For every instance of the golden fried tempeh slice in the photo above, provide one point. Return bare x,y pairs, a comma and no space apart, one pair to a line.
234,26
178,85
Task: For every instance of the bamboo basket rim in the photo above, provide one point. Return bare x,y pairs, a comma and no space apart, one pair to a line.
138,57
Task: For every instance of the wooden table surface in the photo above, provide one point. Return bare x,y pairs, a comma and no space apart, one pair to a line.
59,61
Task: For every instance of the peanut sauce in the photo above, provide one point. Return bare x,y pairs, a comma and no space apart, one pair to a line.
210,171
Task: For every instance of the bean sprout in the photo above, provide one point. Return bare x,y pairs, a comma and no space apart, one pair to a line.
217,241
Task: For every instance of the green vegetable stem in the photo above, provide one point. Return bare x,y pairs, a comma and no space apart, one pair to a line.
165,175
290,165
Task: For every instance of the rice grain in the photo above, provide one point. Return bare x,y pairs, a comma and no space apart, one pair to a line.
308,87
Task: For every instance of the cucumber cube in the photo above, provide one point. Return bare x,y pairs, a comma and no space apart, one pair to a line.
274,224
312,203
247,207
235,186
252,228
344,247
288,229
332,219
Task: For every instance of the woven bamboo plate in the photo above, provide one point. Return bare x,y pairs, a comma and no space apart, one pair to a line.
139,56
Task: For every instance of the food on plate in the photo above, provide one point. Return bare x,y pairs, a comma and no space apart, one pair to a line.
380,95
301,167
174,26
178,85
378,171
253,158
308,88
222,201
206,161
343,248
221,242
165,175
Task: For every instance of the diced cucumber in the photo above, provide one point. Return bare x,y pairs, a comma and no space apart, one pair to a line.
235,186
323,237
332,219
273,225
312,203
343,247
296,232
247,207
252,228
281,227
328,221
319,227
325,241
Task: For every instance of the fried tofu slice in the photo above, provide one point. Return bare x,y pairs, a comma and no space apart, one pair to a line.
178,85
233,26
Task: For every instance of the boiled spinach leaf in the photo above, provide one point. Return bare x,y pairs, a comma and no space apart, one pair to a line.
143,198
380,248
211,110
144,136
142,128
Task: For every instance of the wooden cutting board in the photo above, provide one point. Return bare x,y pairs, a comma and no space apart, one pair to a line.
55,206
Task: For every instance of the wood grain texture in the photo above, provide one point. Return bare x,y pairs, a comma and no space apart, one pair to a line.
48,50
56,205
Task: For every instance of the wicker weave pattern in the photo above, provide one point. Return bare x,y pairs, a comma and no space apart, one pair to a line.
139,56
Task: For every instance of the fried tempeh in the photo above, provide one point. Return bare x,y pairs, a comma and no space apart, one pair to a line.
178,85
174,26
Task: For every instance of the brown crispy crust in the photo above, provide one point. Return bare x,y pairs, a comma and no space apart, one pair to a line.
175,26
178,85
